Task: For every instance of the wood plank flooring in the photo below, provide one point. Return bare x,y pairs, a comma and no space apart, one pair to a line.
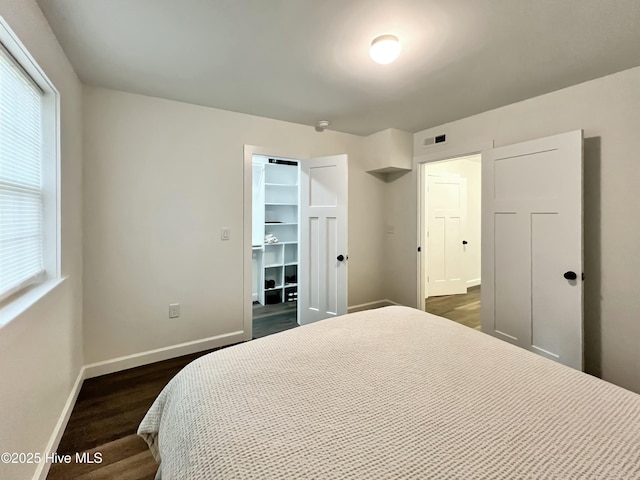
269,319
109,409
464,309
105,419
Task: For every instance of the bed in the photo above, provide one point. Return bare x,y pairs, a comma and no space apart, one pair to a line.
391,393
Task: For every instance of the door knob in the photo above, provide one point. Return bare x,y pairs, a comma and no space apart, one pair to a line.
464,242
570,275
340,258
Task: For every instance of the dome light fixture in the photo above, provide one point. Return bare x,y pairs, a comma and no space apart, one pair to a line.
385,49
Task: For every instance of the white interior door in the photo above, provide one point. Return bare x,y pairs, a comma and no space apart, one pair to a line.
446,217
322,269
532,246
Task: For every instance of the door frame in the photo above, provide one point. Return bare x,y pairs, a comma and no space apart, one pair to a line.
421,161
247,264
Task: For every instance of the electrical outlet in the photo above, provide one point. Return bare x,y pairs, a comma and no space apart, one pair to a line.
225,233
174,310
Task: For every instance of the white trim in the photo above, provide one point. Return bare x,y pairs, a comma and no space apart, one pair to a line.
151,356
473,282
52,445
370,305
33,279
23,301
453,152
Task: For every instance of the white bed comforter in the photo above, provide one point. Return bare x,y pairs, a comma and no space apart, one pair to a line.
392,393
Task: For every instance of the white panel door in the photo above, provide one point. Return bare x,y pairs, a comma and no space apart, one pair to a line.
322,269
532,246
446,218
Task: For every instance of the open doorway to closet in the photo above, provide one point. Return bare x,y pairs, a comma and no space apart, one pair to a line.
296,243
450,215
275,239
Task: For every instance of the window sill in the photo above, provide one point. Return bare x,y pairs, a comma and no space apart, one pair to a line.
15,307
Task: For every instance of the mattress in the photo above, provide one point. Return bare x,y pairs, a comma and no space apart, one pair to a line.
391,393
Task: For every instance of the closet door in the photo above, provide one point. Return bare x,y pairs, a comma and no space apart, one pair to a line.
322,289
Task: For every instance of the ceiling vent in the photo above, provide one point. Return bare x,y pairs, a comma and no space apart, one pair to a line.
438,139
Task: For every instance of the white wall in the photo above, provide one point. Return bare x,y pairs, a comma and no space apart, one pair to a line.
161,179
41,350
608,109
470,169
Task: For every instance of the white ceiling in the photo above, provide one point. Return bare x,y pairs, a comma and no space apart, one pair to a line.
307,60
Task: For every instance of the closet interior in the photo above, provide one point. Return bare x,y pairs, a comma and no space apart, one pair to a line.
275,230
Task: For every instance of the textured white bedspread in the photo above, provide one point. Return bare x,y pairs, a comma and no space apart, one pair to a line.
392,393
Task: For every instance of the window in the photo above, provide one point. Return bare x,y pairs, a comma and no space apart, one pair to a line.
28,170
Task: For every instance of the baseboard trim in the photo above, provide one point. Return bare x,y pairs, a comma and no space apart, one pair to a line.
473,283
144,358
43,467
370,305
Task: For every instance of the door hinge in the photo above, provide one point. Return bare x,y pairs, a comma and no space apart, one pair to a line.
419,249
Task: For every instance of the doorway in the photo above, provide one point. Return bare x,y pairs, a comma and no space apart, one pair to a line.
297,243
532,263
275,238
450,219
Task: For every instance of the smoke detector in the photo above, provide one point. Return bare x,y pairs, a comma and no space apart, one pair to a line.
321,125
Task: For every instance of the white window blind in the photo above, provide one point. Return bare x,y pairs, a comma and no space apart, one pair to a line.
21,195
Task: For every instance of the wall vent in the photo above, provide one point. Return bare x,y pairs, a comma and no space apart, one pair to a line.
438,139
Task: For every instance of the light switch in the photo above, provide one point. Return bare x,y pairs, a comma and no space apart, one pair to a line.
225,233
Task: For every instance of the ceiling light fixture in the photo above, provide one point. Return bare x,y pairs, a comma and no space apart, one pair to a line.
385,49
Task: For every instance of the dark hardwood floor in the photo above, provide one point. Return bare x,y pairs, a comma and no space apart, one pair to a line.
105,419
268,319
109,409
464,309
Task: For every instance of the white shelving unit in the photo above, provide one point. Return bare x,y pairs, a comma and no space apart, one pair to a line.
276,265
